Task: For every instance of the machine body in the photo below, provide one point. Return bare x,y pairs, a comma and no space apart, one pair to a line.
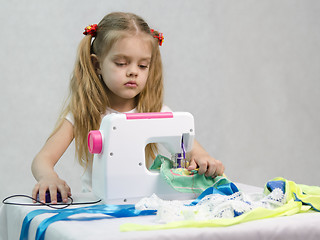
119,173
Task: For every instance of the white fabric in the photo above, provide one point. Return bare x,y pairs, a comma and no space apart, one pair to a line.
211,206
296,227
86,178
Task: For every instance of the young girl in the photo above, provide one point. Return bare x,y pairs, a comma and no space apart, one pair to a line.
118,69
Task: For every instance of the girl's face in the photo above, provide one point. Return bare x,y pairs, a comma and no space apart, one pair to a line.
125,70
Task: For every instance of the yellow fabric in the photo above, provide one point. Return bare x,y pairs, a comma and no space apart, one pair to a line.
305,194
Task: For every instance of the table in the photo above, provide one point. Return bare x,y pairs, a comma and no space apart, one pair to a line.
300,226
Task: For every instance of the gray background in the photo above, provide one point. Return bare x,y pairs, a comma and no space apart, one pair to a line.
247,70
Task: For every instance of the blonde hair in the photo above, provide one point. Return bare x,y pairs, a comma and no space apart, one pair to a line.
88,98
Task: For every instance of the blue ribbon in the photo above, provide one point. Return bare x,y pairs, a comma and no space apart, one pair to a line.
27,220
117,211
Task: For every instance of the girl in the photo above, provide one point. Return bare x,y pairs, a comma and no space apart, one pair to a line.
118,69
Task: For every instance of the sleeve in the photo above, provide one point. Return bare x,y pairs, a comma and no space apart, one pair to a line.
70,117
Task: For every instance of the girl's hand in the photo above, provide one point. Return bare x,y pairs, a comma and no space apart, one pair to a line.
207,165
44,162
54,184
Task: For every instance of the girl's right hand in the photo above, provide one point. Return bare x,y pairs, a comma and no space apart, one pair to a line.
53,184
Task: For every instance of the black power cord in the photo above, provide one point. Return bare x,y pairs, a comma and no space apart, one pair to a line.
54,206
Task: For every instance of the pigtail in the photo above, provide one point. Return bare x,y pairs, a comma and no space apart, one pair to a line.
88,100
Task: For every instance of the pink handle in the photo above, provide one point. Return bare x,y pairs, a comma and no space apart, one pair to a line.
95,142
131,116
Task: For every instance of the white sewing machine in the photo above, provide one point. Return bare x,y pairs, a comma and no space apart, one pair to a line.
119,173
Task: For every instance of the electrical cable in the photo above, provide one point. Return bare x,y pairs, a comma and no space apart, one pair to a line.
54,206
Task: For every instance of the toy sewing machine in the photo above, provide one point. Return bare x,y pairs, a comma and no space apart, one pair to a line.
119,173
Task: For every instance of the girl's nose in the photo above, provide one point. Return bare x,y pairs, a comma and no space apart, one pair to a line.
132,71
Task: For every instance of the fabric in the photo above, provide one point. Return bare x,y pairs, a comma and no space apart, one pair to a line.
295,227
183,180
221,201
86,178
298,199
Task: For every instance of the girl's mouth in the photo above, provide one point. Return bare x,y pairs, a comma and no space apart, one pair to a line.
131,84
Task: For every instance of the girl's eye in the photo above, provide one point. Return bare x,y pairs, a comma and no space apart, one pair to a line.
143,66
121,64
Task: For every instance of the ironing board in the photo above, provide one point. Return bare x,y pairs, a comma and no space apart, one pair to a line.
300,226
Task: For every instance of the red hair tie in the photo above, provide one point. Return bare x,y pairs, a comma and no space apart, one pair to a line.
157,35
91,29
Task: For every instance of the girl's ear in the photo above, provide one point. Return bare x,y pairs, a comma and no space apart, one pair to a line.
96,63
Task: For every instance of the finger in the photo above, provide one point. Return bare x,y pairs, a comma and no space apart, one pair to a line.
42,194
35,191
220,168
53,194
202,167
64,191
192,165
69,191
211,170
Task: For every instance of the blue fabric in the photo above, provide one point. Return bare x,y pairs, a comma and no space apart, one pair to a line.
224,189
271,185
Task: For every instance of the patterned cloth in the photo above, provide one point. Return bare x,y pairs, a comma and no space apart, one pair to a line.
183,180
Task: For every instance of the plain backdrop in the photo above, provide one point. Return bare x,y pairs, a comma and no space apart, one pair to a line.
248,70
